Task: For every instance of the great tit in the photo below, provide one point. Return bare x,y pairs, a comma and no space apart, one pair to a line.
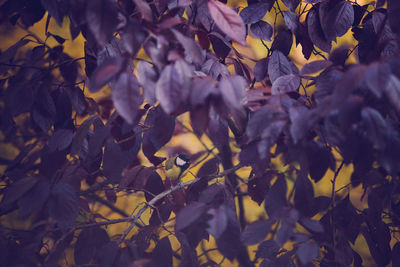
175,166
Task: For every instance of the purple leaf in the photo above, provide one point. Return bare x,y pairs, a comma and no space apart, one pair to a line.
228,21
147,77
315,31
88,241
192,49
162,253
126,96
336,20
145,9
172,89
105,72
153,187
219,221
63,205
315,66
254,12
275,200
392,91
258,186
255,232
102,17
210,167
34,199
291,21
80,135
107,254
286,84
375,126
261,69
278,66
262,30
307,252
60,140
16,190
304,195
233,91
313,225
377,76
291,4
267,250
57,9
396,254
319,160
189,215
393,8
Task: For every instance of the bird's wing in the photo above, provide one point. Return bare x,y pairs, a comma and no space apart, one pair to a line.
169,164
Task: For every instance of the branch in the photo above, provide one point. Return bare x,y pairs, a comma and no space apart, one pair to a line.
160,196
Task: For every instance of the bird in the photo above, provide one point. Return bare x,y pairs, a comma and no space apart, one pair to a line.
175,166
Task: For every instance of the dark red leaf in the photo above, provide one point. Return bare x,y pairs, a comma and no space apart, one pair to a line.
254,12
105,72
189,215
262,30
256,232
228,21
307,252
102,17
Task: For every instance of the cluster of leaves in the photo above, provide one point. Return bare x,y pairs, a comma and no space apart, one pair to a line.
65,137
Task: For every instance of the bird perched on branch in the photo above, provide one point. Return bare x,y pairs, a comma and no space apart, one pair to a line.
175,166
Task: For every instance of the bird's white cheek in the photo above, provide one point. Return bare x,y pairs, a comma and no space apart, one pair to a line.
180,162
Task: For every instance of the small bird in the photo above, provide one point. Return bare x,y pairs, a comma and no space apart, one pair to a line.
175,166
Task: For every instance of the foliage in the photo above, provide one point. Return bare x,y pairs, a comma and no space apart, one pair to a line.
329,114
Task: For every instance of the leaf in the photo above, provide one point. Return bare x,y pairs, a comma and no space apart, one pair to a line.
192,49
153,187
105,72
219,221
377,77
189,215
16,190
396,254
275,200
63,205
392,91
393,8
172,89
162,253
210,167
286,84
145,9
315,31
233,91
291,4
267,250
60,140
304,195
291,21
315,66
56,8
34,199
147,77
256,232
88,241
102,18
262,30
261,69
375,126
254,12
336,20
126,96
107,254
228,21
313,225
80,135
229,242
319,160
307,252
278,65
